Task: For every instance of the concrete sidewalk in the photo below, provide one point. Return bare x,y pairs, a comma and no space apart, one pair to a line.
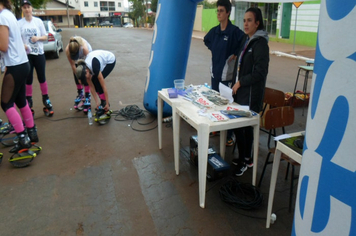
279,49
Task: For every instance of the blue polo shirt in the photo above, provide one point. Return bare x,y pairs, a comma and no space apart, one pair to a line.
222,45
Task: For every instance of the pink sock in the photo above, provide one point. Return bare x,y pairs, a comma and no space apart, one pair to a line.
15,119
79,86
29,90
27,116
102,96
44,88
87,88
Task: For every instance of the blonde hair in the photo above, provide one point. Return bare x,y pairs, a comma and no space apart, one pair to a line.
74,45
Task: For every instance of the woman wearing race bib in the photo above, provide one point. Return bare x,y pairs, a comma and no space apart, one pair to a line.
33,34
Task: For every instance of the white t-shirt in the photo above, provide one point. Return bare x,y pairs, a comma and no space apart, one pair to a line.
104,57
31,28
16,54
81,52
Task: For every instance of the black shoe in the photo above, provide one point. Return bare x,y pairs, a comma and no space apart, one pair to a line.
240,170
23,142
249,162
32,134
48,109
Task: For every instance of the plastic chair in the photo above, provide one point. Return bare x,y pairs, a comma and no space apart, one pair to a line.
273,119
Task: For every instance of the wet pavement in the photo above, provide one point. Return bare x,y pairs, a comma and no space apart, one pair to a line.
113,179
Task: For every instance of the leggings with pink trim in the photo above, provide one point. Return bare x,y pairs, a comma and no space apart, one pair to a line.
13,91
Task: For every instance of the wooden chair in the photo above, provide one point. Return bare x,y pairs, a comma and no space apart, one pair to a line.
272,98
275,118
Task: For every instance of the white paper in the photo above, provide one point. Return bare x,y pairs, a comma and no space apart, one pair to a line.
226,92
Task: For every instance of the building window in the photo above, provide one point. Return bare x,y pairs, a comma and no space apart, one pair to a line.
111,6
107,6
119,4
95,4
86,4
104,6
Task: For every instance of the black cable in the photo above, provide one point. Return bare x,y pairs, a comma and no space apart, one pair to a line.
240,195
133,113
130,112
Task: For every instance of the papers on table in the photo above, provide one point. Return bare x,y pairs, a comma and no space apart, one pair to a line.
226,92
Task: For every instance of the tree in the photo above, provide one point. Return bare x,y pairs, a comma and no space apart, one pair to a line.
137,11
208,5
36,4
154,4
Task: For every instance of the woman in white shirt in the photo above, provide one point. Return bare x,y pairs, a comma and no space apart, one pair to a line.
97,66
33,34
13,89
78,48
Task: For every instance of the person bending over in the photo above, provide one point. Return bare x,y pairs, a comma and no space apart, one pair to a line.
77,49
92,71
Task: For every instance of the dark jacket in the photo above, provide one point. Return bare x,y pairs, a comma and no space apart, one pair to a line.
222,45
253,72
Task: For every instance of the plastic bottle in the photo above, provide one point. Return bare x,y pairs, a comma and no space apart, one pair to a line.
90,117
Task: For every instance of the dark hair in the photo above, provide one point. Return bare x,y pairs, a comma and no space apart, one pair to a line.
258,16
6,3
224,3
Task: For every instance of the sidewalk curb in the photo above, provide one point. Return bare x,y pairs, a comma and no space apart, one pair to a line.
277,53
283,54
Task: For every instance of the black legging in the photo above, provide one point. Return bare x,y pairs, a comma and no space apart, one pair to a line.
37,62
107,70
244,140
14,86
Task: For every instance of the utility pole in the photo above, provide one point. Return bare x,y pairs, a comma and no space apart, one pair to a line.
67,12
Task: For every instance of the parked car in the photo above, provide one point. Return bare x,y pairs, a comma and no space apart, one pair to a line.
128,25
106,23
54,43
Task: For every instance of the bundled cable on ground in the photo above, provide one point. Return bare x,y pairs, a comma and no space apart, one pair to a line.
133,113
240,195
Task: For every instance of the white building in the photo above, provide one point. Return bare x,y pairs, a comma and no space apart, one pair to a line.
83,12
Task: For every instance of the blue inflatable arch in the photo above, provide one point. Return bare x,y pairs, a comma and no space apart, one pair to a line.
170,49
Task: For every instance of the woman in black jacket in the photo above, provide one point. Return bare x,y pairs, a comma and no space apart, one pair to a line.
252,69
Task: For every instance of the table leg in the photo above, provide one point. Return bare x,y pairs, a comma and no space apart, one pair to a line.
256,139
276,161
203,144
176,137
223,143
159,117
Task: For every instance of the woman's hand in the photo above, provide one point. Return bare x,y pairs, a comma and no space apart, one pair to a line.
107,107
235,87
34,39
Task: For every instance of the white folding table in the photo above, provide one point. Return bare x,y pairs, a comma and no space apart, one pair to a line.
280,148
182,108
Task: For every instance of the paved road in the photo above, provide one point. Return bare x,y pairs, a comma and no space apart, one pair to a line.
111,180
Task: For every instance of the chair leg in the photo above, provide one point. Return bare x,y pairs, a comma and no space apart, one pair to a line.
295,87
287,171
291,190
264,169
